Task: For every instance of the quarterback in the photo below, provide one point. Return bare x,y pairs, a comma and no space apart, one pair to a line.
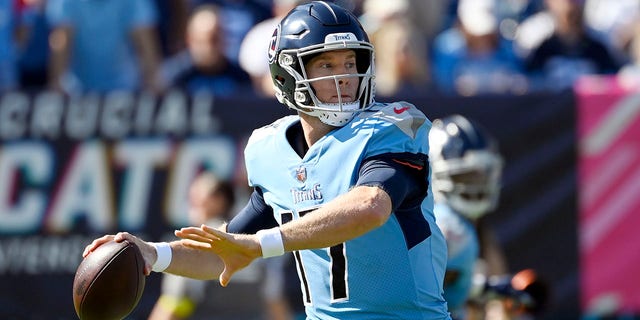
343,184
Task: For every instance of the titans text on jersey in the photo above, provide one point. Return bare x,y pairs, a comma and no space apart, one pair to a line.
306,195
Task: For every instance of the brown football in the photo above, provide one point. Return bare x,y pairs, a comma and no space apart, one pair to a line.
109,282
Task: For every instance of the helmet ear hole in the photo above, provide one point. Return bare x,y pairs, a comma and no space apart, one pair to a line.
302,98
279,79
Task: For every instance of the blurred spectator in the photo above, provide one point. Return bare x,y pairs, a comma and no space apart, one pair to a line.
103,45
613,21
401,48
570,51
426,17
401,58
629,74
34,51
472,58
203,65
376,12
532,31
210,201
172,22
238,17
253,50
512,12
10,25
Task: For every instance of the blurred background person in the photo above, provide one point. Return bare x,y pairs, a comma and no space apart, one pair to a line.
569,51
629,74
466,176
401,52
211,201
238,17
172,22
34,45
11,29
376,12
531,31
202,65
612,22
103,45
253,49
473,58
402,32
427,17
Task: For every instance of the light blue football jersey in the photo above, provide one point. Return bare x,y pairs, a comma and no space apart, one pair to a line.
393,272
463,249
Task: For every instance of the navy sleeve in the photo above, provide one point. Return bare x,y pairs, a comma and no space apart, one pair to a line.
255,216
404,176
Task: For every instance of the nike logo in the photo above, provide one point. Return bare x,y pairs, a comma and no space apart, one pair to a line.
400,110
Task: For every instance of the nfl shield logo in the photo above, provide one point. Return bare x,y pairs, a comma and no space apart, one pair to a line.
301,174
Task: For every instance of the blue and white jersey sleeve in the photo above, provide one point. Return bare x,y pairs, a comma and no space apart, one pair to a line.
395,128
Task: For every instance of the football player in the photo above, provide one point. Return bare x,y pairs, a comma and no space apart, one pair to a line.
466,172
343,184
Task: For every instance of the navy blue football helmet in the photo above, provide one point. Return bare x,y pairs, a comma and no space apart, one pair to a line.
466,165
307,31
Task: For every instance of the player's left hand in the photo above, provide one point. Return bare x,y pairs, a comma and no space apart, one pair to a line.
236,250
147,251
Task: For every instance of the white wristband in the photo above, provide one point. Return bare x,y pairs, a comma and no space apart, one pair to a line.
271,242
163,250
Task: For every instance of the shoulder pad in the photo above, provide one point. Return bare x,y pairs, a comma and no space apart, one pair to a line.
270,129
402,114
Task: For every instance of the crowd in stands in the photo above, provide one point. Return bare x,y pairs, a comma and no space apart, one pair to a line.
461,47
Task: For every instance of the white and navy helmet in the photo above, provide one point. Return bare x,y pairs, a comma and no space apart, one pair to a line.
307,31
466,165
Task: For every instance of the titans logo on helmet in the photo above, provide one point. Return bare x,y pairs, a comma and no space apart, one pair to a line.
273,44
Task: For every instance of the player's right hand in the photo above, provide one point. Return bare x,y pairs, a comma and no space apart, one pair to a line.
236,250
